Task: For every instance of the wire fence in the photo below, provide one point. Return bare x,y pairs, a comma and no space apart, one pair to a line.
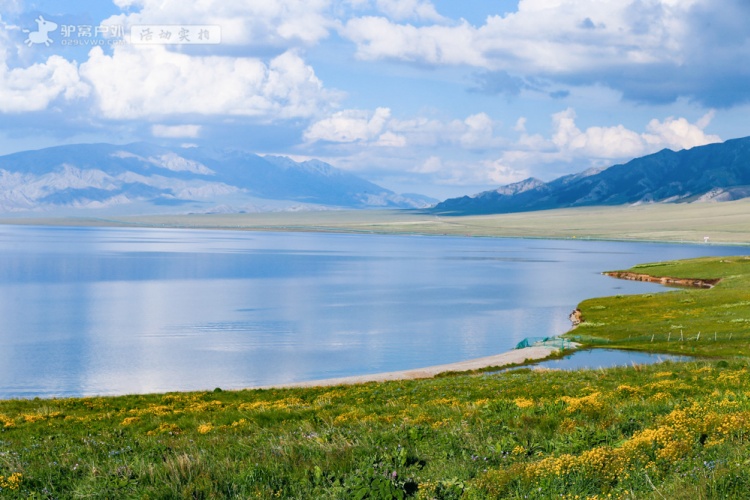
669,337
571,341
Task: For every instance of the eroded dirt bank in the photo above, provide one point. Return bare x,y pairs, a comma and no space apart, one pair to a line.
664,280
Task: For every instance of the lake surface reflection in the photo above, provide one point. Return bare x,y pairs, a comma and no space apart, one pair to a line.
113,311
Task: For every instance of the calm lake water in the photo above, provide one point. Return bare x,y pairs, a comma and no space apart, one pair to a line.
87,311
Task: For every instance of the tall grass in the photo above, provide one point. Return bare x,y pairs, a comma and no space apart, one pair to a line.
628,432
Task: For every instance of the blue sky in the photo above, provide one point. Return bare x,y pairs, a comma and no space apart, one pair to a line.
439,97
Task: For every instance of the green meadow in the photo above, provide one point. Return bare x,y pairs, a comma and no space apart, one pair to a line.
672,430
713,323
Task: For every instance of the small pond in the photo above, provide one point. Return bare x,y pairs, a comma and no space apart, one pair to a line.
606,358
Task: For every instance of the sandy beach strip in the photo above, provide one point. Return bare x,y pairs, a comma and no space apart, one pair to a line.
516,356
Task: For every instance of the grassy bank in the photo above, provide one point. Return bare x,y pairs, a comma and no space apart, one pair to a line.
710,322
675,430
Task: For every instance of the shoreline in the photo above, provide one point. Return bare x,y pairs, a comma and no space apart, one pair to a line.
512,357
664,280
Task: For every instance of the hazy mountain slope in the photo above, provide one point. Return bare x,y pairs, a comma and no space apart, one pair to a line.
148,178
717,172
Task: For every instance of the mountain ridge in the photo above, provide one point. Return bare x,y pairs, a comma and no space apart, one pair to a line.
714,172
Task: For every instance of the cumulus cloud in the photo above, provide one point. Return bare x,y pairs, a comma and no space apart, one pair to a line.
678,133
349,126
498,172
462,173
33,88
618,142
391,140
261,23
176,131
26,88
429,149
409,9
360,138
431,165
379,129
137,82
478,131
378,37
568,149
620,32
652,51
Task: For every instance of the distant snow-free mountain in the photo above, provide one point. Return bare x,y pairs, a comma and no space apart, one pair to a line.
144,178
715,172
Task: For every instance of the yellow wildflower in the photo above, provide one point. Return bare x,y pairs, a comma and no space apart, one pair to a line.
12,482
524,403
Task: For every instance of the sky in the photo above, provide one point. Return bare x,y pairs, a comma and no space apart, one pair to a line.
436,97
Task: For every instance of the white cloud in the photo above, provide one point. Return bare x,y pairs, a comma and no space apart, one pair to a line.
678,133
137,82
378,37
175,131
478,131
409,9
11,6
349,126
379,129
389,139
499,173
551,37
618,142
33,88
429,150
263,23
462,173
520,125
431,165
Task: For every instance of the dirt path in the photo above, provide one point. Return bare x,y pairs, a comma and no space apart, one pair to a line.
515,356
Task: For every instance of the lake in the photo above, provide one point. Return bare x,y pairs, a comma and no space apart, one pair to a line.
103,311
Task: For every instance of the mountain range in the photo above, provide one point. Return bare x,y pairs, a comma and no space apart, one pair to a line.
715,172
145,178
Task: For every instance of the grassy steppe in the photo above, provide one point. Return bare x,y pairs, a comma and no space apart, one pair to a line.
675,430
727,222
